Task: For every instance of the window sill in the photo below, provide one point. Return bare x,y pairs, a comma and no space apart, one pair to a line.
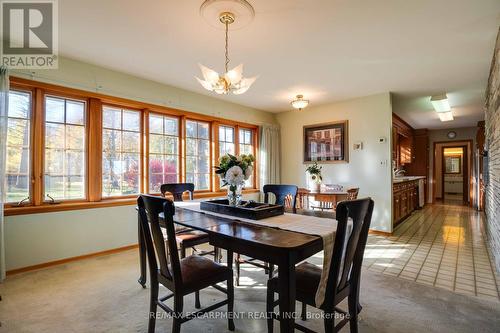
47,208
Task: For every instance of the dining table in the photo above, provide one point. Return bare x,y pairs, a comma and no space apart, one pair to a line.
329,196
280,247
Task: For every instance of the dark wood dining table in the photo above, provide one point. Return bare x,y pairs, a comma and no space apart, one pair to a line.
281,247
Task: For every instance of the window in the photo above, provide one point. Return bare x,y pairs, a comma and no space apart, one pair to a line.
246,147
163,151
121,151
246,142
64,171
18,170
86,150
226,141
198,154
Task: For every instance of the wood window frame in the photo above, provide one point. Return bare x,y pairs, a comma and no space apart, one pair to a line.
237,127
93,114
31,178
71,97
211,146
98,159
145,136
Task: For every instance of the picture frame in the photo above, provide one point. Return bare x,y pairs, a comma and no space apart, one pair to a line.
326,143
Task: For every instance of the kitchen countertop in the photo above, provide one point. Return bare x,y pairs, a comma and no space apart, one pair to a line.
397,180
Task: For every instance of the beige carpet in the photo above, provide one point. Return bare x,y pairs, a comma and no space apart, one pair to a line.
102,295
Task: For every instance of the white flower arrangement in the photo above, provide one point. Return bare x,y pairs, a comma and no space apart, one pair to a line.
234,170
234,175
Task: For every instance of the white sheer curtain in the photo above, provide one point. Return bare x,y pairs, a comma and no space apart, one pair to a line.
4,98
269,154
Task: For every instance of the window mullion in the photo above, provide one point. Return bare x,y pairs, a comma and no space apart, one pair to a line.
38,143
95,150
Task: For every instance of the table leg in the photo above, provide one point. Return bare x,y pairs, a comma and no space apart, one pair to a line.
229,259
286,271
142,256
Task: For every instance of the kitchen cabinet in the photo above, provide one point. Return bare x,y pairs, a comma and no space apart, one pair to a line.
402,142
405,199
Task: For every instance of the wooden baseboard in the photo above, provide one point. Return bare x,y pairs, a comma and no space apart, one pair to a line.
378,232
66,260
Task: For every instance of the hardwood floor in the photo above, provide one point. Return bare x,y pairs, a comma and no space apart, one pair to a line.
443,245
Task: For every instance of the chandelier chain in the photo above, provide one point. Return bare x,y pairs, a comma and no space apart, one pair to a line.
227,42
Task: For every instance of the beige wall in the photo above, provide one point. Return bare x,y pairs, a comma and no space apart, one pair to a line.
39,238
80,75
435,136
369,169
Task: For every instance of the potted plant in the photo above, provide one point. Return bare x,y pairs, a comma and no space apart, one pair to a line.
314,171
233,171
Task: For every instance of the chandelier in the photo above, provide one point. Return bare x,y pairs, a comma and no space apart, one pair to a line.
232,80
299,102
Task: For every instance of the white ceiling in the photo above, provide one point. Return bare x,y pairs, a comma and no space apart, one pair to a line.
328,50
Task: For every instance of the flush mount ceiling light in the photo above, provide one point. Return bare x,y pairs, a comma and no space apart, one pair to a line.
299,102
232,80
442,107
445,116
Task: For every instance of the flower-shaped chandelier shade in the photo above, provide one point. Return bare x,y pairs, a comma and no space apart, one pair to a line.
232,80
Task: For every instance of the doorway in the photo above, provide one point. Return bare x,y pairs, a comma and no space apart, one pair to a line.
438,174
455,187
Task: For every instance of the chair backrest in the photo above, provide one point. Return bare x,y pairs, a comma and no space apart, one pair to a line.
348,249
149,207
177,190
352,193
282,194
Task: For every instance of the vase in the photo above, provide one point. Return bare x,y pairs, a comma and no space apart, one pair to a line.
313,185
234,194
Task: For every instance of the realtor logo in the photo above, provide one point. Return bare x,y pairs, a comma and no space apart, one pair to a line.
29,34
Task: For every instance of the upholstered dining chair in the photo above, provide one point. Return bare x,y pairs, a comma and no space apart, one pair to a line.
181,276
285,195
187,238
343,277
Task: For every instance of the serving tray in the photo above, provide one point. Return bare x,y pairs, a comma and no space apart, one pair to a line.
247,209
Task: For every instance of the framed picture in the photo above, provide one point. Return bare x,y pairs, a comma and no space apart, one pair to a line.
326,143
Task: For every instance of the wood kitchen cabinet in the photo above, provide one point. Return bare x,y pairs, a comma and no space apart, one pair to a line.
405,200
402,142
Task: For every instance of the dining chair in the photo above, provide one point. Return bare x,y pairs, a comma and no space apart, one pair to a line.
343,277
181,276
186,237
285,195
303,198
352,193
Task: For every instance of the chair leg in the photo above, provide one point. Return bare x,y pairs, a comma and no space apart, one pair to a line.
183,252
303,315
216,255
178,306
153,303
142,257
269,309
237,264
329,324
230,303
266,268
197,303
353,313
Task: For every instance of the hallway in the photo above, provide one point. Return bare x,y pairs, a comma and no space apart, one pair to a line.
442,245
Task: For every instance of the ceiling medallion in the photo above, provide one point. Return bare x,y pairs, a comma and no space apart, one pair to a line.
232,80
299,102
